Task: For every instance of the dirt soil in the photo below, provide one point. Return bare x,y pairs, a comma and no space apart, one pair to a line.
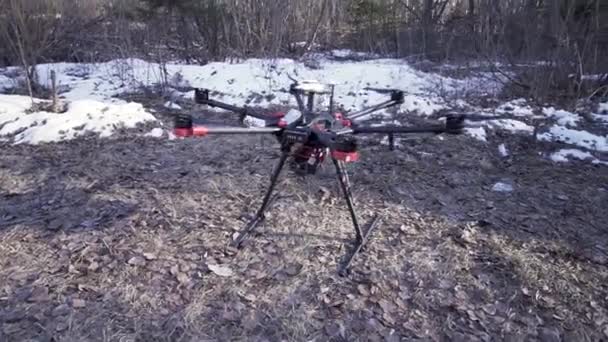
125,239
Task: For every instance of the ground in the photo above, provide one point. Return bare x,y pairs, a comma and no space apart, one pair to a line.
112,230
125,239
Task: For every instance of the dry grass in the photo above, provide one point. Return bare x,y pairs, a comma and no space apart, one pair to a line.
112,241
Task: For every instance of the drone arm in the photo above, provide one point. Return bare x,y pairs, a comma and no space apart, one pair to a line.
201,96
453,125
437,129
185,126
397,98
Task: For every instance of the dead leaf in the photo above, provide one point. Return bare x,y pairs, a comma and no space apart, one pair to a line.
78,303
222,271
150,256
250,297
388,319
94,266
490,309
387,306
363,290
61,326
183,278
174,270
137,261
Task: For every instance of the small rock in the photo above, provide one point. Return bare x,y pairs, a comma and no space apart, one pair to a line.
222,271
61,310
61,326
183,278
563,198
137,261
502,149
78,303
363,290
502,187
490,309
93,267
150,256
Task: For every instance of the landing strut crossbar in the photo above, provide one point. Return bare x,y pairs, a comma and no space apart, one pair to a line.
361,236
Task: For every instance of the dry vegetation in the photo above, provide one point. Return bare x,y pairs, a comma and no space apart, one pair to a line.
125,240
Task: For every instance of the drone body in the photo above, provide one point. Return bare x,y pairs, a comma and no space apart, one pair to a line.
310,138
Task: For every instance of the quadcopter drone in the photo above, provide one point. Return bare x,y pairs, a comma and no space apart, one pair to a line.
310,137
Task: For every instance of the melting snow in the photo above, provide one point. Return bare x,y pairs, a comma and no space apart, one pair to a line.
511,125
561,156
564,118
81,117
478,133
574,137
518,107
172,105
258,82
502,187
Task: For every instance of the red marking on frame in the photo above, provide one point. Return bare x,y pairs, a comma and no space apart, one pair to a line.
200,131
182,132
346,157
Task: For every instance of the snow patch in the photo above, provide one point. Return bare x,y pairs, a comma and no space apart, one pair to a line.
511,125
603,108
603,118
258,82
478,133
81,117
518,107
561,156
172,105
502,187
574,137
564,118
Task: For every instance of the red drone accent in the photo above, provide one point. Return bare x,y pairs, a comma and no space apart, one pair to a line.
340,117
347,157
182,132
197,131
